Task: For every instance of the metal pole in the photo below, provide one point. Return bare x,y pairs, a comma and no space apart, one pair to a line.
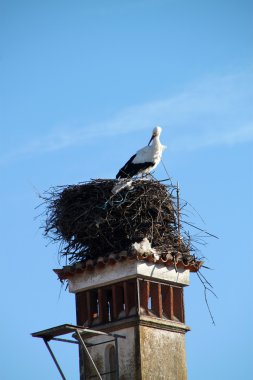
138,296
97,344
178,218
87,330
88,354
54,359
117,358
65,340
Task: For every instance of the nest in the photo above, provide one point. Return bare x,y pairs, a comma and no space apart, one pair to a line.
89,221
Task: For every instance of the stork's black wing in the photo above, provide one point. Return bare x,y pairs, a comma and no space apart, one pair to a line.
129,169
124,171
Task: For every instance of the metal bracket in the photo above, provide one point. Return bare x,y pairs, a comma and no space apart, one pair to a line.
77,332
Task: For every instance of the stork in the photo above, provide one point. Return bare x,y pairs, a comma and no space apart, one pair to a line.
145,159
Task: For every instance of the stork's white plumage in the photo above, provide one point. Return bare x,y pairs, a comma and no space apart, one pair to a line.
146,159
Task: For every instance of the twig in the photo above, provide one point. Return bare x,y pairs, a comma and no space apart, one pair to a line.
200,229
206,288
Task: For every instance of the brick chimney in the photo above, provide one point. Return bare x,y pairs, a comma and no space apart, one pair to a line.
141,299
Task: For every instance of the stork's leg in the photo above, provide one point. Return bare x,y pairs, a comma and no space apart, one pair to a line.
142,176
152,176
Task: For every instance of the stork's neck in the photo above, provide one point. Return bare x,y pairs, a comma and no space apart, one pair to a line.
157,148
156,142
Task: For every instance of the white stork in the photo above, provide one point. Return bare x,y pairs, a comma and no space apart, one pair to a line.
146,159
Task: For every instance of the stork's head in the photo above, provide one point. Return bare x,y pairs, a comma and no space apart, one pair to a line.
156,133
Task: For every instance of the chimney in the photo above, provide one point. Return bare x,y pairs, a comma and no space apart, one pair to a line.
139,299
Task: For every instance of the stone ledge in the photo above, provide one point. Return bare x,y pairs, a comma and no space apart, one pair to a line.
147,321
125,270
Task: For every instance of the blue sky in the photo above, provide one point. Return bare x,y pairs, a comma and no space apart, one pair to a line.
82,86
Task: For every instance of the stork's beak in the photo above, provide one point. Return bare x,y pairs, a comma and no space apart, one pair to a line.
151,139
